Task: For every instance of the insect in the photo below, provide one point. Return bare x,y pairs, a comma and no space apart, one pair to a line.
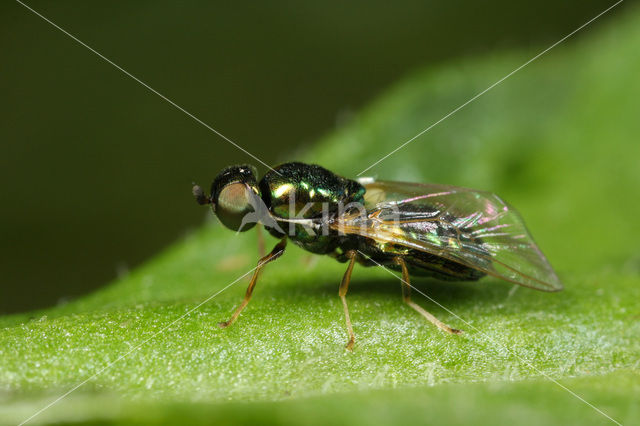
441,231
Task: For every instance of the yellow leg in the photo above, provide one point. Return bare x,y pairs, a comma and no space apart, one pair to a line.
344,286
406,296
275,253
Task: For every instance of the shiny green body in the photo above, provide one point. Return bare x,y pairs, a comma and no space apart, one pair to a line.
293,186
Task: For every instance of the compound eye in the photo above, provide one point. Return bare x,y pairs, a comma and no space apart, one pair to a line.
235,202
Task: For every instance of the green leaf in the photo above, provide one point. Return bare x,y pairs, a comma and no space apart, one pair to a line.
558,140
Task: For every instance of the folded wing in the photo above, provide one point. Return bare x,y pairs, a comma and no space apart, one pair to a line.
476,229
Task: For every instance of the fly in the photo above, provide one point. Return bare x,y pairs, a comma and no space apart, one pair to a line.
445,232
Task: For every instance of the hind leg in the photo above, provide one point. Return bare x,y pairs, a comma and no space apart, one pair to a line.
406,296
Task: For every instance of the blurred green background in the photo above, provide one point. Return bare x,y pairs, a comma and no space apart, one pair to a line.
96,170
99,172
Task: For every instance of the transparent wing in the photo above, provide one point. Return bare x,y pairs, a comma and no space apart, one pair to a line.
473,228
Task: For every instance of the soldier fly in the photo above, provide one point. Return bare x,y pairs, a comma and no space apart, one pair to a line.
445,232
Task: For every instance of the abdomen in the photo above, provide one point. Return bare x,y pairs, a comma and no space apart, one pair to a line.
419,263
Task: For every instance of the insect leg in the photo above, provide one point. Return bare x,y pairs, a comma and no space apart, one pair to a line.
342,292
275,253
406,296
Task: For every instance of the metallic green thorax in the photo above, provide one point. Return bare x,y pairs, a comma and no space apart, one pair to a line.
301,191
298,184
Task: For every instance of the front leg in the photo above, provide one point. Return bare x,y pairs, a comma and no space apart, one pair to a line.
275,253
